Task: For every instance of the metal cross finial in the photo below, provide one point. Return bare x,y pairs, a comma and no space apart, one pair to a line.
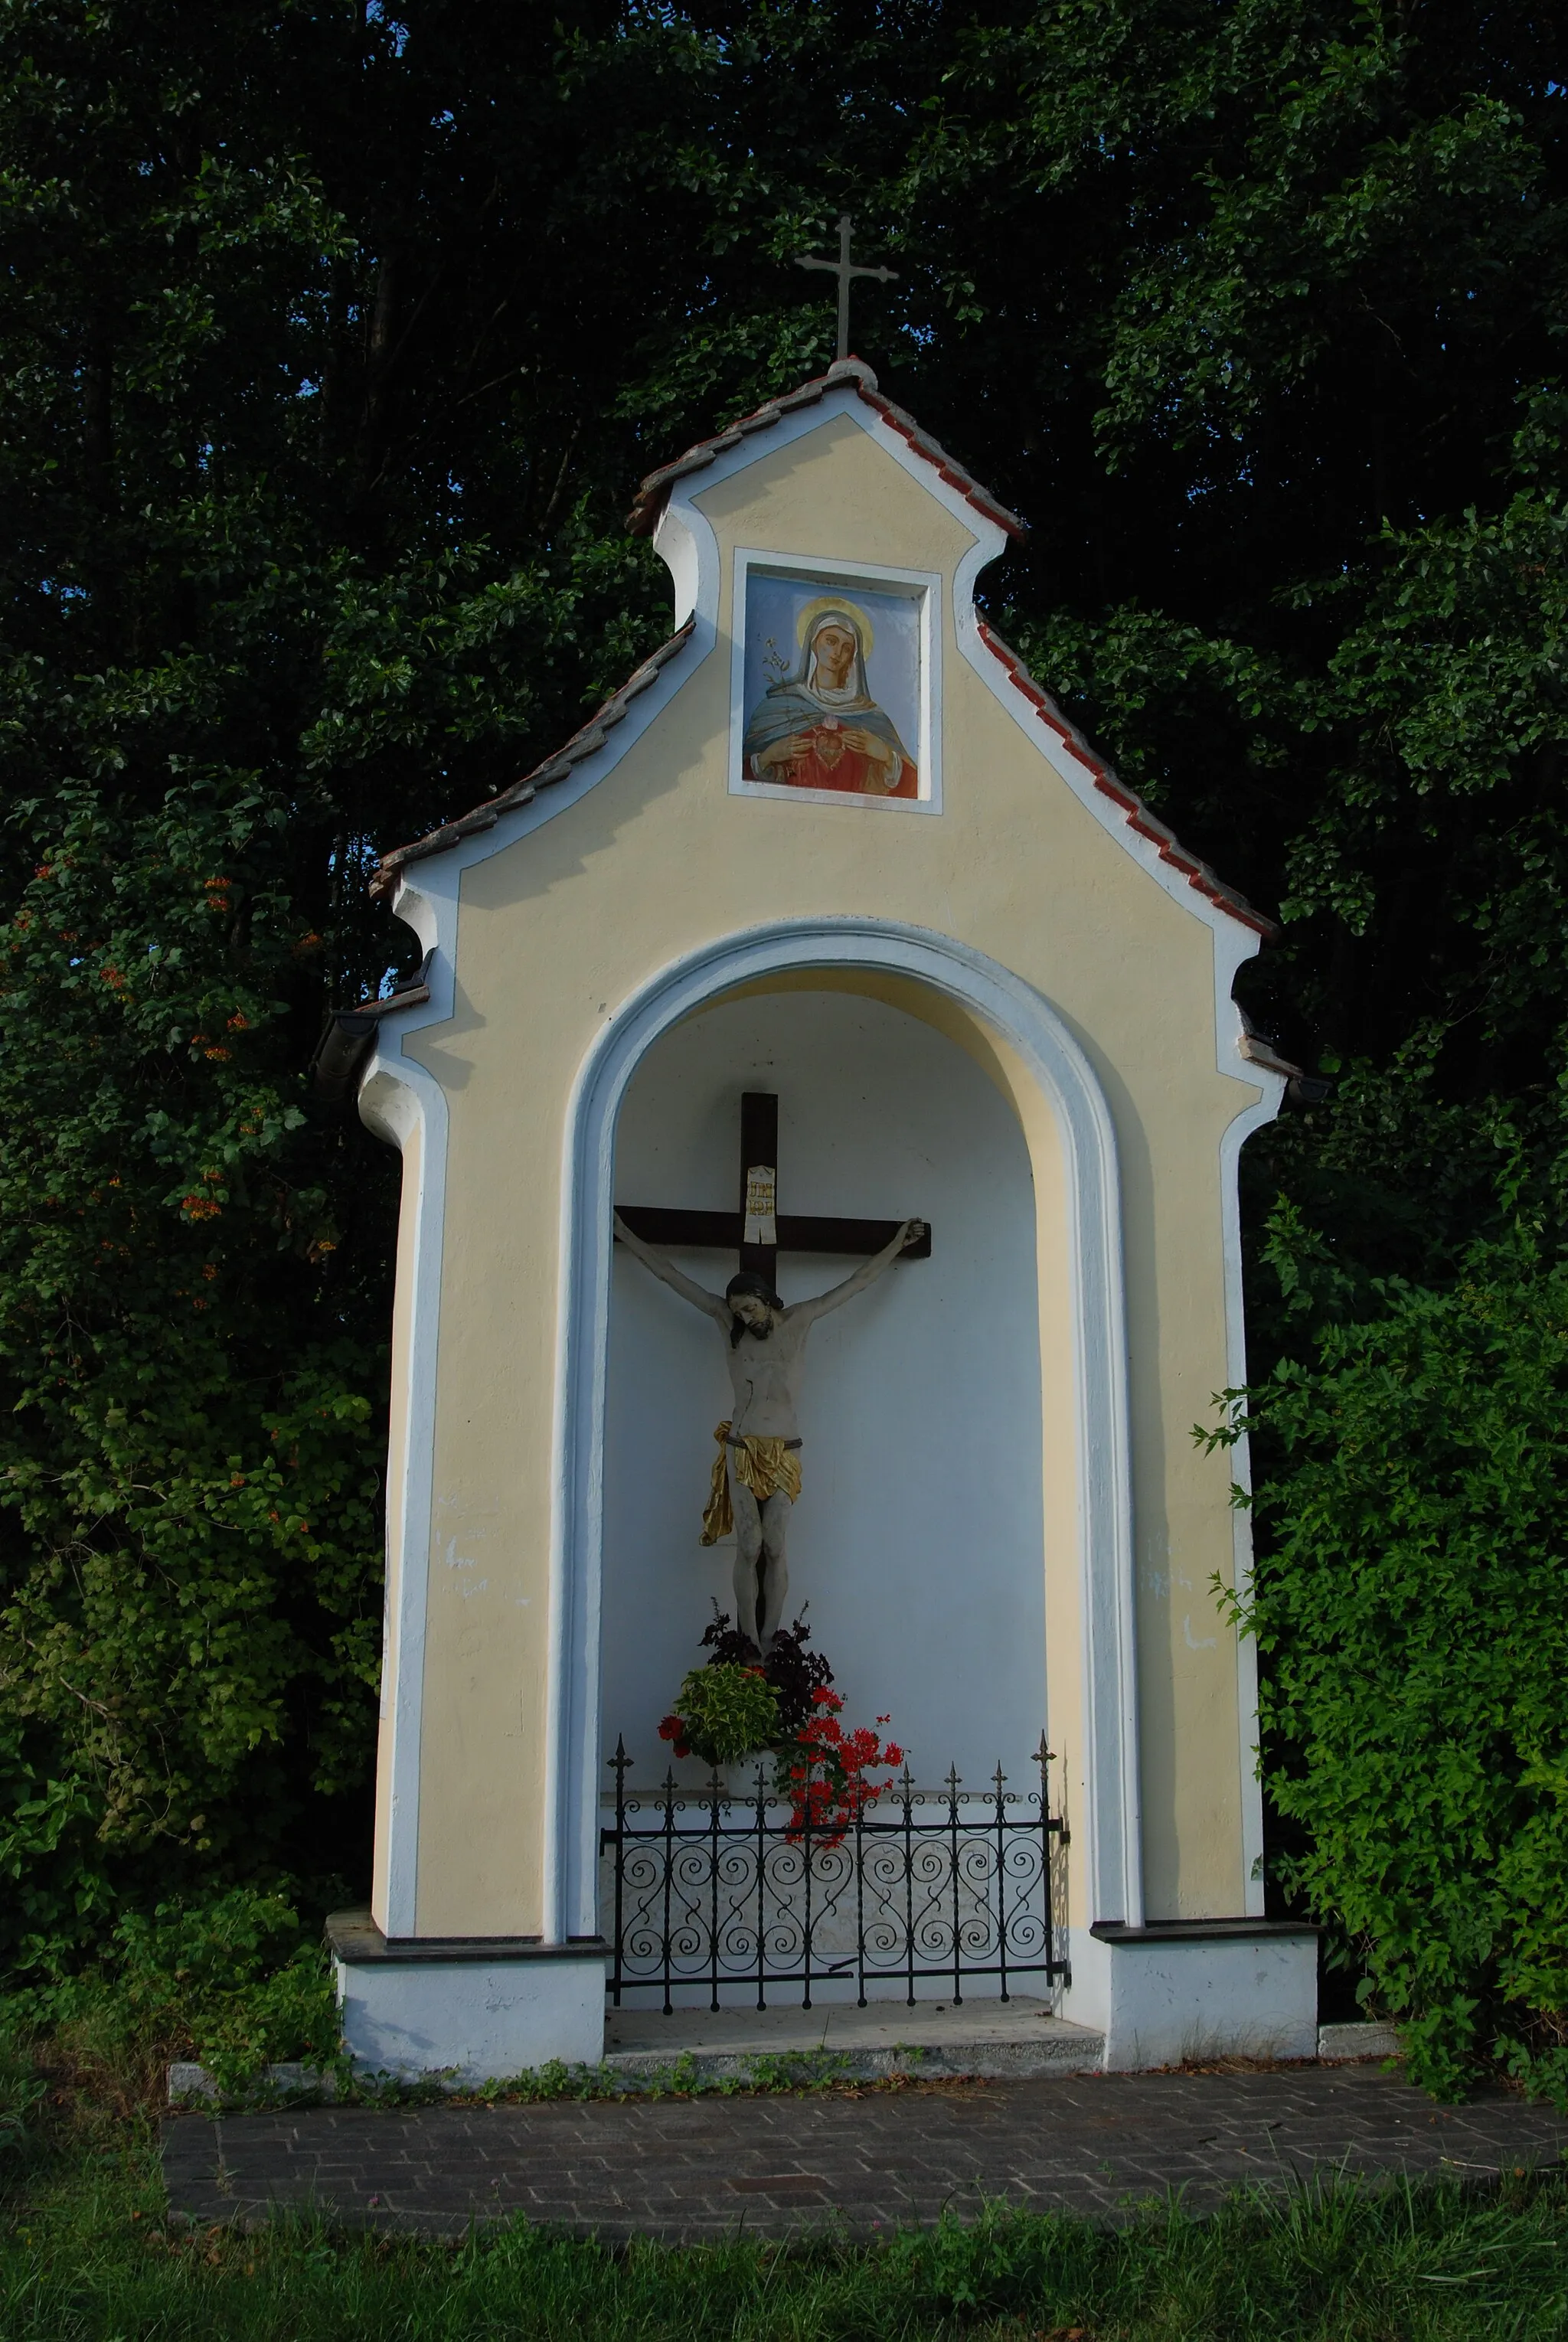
844,269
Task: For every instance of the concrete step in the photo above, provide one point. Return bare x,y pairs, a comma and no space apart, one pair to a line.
644,2049
839,2042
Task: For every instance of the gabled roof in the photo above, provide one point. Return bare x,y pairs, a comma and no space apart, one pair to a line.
582,744
847,373
643,519
1139,818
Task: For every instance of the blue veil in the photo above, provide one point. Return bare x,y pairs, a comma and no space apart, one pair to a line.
792,705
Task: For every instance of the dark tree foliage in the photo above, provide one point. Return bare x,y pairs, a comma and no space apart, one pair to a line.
333,344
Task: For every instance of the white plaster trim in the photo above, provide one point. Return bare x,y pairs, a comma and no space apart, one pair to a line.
1251,1792
681,549
1234,946
398,1097
922,586
1111,1830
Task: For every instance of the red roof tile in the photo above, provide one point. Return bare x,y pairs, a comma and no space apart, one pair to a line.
520,793
1139,818
846,374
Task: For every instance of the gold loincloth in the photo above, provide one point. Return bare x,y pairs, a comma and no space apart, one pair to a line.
764,1466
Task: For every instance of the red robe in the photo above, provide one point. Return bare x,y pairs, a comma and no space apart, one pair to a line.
829,764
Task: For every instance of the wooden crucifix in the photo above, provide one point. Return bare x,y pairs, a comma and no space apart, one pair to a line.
756,1474
758,1231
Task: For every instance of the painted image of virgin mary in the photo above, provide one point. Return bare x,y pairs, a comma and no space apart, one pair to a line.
820,728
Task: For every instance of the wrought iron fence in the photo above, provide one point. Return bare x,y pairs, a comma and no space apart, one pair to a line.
710,1889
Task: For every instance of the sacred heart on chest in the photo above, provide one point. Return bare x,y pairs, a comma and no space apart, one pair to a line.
829,742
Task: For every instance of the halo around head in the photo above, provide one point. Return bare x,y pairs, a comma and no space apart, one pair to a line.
838,607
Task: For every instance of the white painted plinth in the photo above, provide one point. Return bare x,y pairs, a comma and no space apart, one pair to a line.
1185,1990
474,2012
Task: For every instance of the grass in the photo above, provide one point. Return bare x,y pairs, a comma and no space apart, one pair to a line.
87,2256
808,2071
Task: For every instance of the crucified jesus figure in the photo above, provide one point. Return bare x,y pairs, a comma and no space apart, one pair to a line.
756,1474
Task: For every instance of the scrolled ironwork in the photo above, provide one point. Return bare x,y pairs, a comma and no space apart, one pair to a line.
712,1890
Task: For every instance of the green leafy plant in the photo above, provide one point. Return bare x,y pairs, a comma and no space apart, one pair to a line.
235,1983
22,2087
1411,1608
795,1673
722,1713
797,2069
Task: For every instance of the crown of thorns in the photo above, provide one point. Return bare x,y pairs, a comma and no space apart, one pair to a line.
746,1283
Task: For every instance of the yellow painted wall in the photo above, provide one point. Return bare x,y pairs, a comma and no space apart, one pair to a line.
557,930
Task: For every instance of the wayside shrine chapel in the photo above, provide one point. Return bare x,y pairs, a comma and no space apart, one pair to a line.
828,1047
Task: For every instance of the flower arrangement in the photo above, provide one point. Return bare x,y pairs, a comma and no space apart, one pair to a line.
822,1771
736,1707
794,1673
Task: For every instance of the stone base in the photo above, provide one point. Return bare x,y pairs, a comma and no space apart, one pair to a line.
1171,1993
1340,2044
290,2079
477,2009
1185,1990
1019,2038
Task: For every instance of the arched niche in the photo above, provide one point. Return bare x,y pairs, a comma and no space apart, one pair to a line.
918,1538
1024,1050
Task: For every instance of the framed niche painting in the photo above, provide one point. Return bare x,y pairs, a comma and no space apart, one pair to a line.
834,678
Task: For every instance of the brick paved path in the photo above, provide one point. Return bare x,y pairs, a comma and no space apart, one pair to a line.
686,2169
